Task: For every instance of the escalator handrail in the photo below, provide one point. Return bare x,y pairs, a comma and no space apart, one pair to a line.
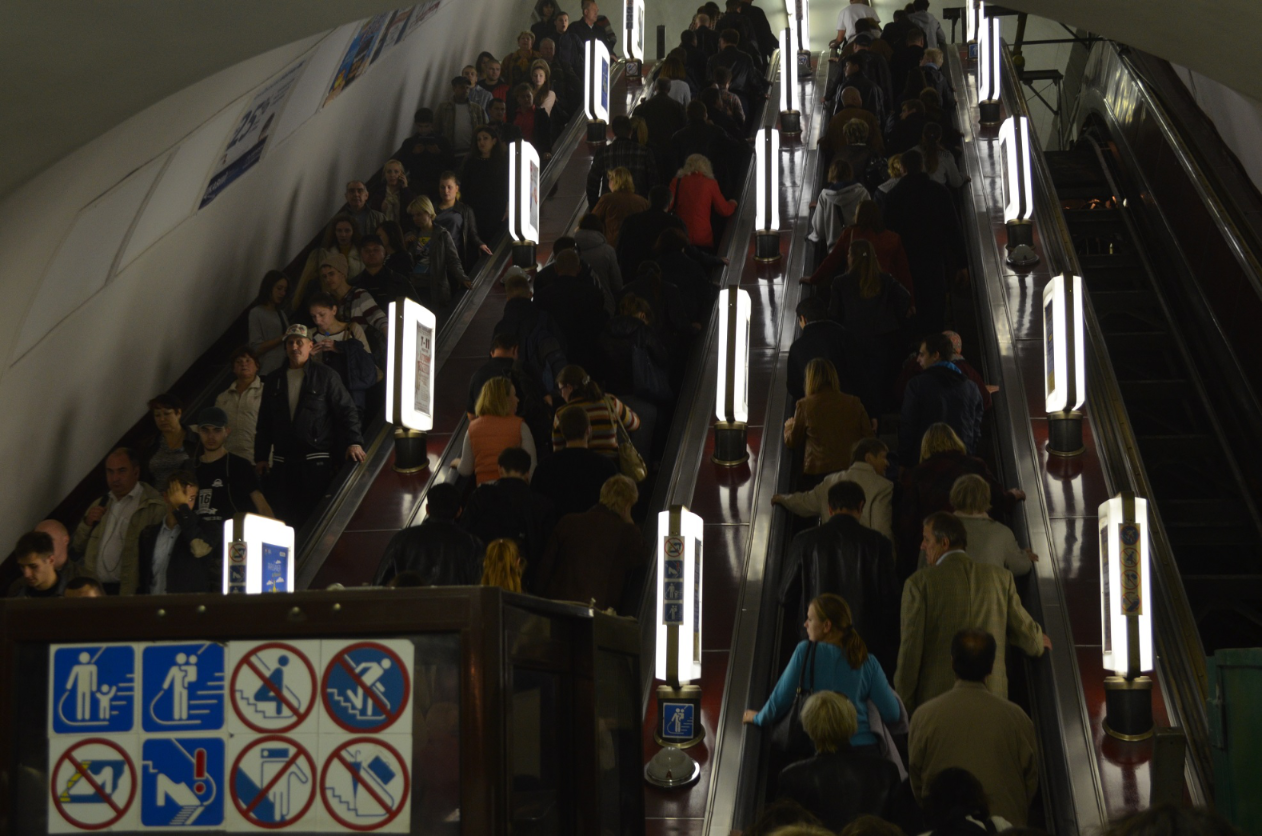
1181,667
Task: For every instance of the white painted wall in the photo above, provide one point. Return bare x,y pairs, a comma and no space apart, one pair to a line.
128,335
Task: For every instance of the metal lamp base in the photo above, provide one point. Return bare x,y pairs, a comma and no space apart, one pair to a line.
596,132
989,113
683,696
672,768
790,122
766,246
524,255
1128,708
730,444
411,455
1064,434
1020,233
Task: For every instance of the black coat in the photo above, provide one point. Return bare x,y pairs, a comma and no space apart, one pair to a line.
638,236
385,287
727,156
484,187
843,557
767,40
437,550
746,80
819,339
905,133
508,508
693,280
578,309
622,335
663,116
194,564
922,212
572,479
906,59
541,345
838,787
325,421
939,393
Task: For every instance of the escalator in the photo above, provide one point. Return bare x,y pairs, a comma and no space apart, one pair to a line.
1192,441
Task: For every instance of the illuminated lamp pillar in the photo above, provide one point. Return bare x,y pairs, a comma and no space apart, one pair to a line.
973,15
1126,616
790,96
633,27
1064,364
410,381
523,202
732,389
800,20
1018,187
767,196
678,657
596,89
258,555
989,67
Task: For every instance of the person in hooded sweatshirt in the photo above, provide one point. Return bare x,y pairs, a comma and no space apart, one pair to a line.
837,203
600,257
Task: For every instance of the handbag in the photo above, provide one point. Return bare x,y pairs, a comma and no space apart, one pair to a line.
630,462
787,735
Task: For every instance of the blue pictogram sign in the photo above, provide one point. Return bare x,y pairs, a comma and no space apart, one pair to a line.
181,782
677,720
93,688
365,687
272,782
183,687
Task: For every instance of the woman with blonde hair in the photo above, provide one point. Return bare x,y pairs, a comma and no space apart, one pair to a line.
829,421
503,565
695,194
989,541
618,203
927,489
437,273
393,196
496,428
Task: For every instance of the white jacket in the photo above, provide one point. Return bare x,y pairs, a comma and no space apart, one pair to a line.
834,211
878,511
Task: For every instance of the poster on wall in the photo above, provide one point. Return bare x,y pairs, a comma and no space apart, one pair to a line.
358,56
249,137
394,32
420,13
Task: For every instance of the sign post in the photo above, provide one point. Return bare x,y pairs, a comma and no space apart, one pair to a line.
800,14
1018,187
790,95
1064,364
1126,616
989,66
523,202
258,555
633,26
410,382
732,387
596,89
678,656
767,193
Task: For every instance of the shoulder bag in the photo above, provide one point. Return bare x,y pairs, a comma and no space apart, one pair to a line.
787,735
630,462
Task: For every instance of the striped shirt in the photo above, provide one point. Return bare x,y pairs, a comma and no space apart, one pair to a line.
604,438
358,306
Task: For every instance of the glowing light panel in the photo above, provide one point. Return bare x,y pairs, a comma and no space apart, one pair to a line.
732,390
410,365
679,595
1125,586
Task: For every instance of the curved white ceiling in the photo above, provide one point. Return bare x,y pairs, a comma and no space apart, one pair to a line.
75,69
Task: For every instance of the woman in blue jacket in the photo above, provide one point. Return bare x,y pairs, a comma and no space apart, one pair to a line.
842,663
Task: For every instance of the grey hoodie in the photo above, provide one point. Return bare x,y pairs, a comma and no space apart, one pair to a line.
825,223
598,255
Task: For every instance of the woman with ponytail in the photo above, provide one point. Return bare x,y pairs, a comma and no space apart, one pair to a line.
842,664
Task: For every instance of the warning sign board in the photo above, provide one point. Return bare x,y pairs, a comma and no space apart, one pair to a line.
366,686
93,785
272,686
366,786
272,782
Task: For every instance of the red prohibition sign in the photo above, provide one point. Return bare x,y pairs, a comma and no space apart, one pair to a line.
119,812
340,660
248,661
338,758
246,808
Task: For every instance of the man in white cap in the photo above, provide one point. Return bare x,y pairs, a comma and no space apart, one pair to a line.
305,412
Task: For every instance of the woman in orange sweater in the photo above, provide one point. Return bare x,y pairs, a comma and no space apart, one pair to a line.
694,193
496,428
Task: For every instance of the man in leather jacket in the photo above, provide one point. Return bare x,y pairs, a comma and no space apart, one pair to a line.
305,413
857,563
437,549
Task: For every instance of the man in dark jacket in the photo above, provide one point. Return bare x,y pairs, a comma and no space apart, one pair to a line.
727,156
625,152
923,213
437,549
572,477
664,117
738,23
541,347
508,508
820,337
853,76
940,393
640,231
587,28
907,57
592,555
177,555
905,134
767,40
746,82
36,560
577,308
425,155
384,285
305,415
843,557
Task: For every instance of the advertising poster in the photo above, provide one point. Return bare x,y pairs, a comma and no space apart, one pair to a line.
534,195
276,569
420,13
249,138
424,360
358,56
395,30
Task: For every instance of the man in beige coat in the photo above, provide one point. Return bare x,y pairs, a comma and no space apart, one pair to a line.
970,728
108,536
950,594
867,464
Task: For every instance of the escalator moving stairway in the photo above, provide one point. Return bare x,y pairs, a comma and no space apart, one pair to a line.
1191,456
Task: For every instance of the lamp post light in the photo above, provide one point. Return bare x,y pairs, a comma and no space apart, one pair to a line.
973,15
258,555
767,196
732,389
800,20
1126,616
523,202
1064,364
989,67
790,96
1018,187
633,27
678,657
596,89
410,381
